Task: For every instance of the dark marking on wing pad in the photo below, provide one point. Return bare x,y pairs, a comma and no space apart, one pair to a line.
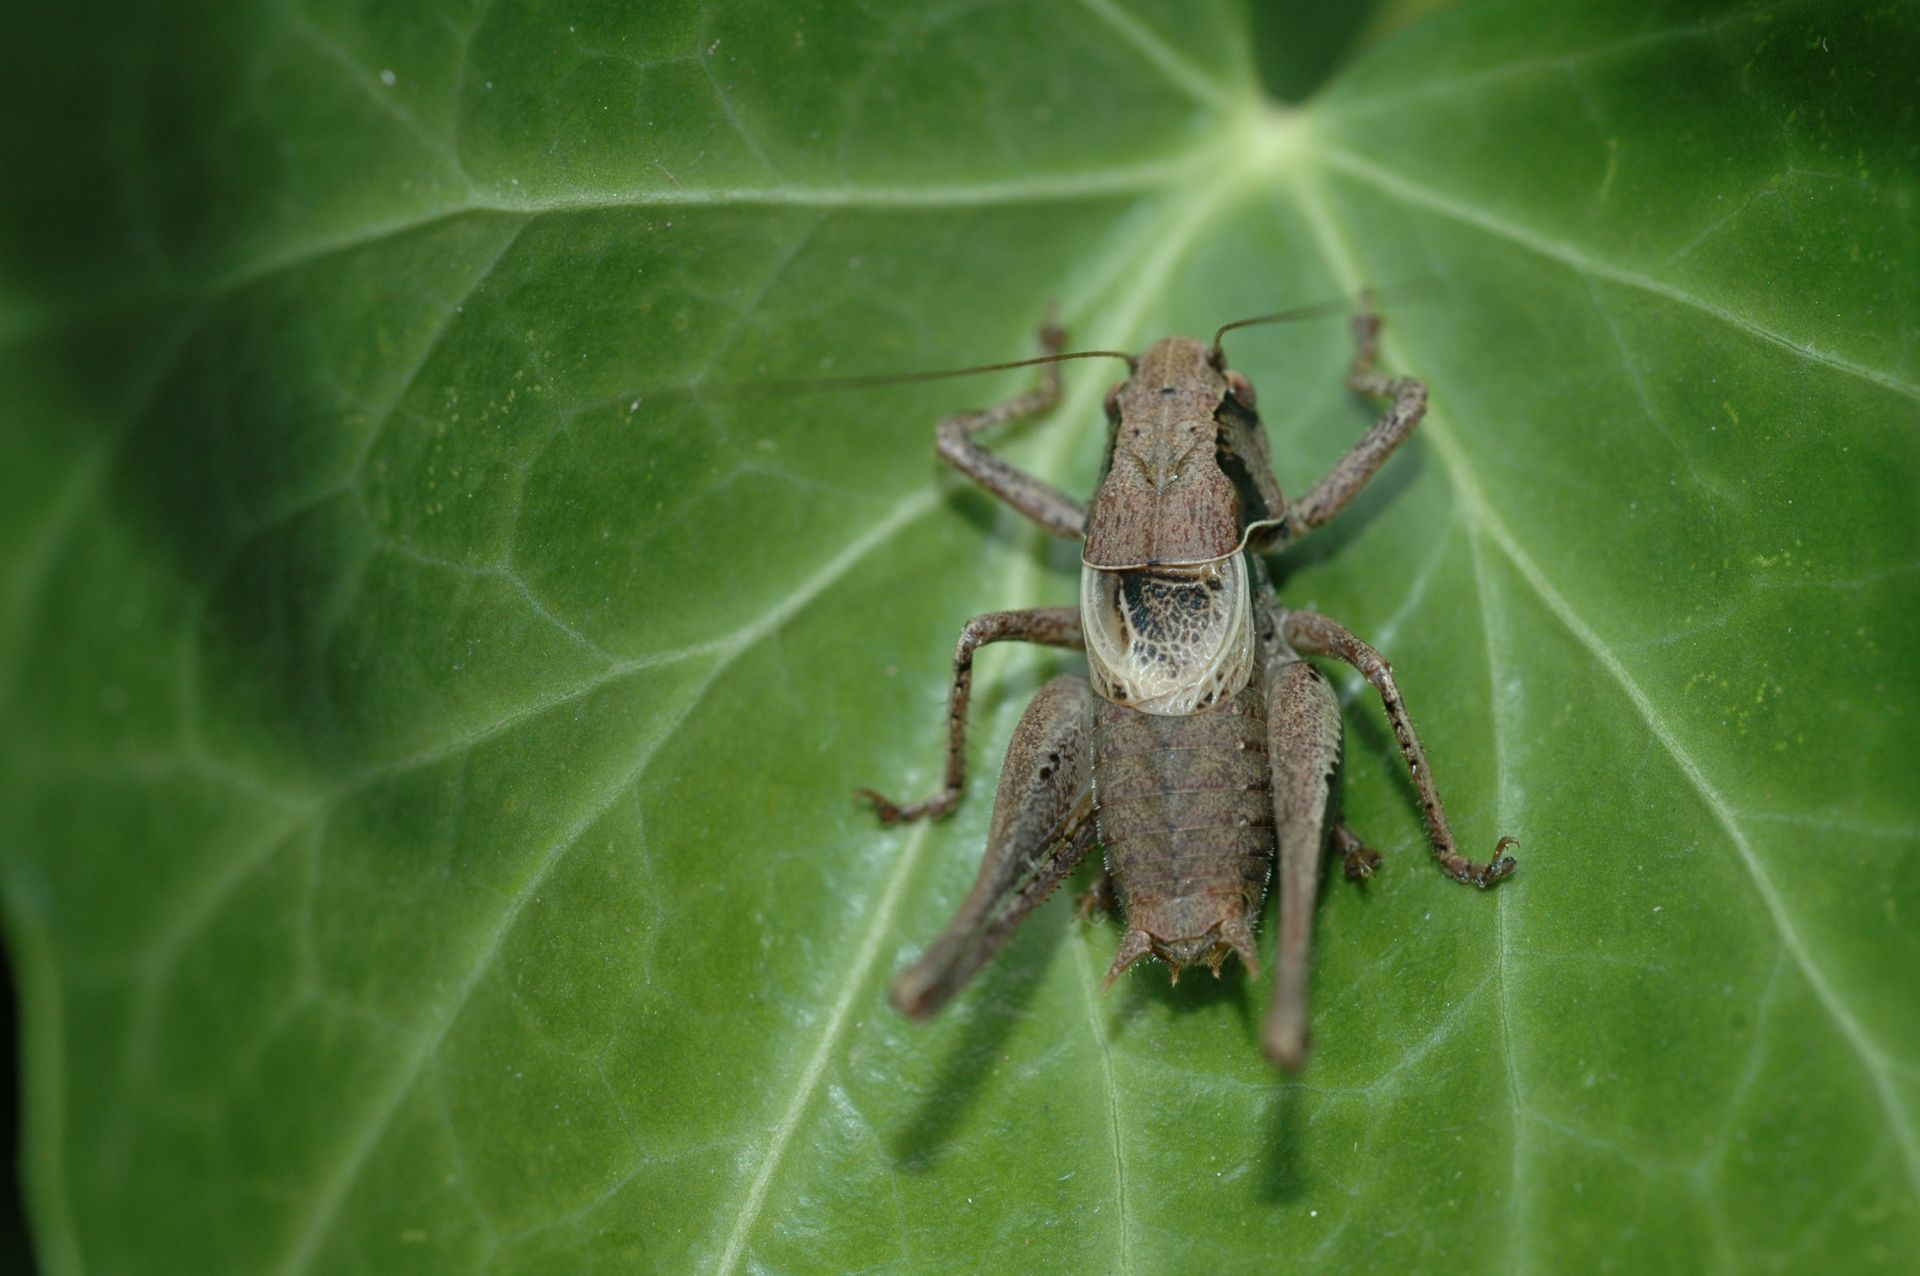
1168,613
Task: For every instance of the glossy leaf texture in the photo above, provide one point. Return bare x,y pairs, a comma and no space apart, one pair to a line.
433,695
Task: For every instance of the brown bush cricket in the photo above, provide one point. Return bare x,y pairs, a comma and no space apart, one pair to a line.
1203,737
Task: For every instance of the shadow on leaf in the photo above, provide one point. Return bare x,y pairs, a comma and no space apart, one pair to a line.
999,1002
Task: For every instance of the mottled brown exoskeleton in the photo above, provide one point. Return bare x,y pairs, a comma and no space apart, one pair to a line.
1202,737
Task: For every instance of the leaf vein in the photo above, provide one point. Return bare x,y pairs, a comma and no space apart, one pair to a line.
879,923
1567,62
1103,1044
1487,521
331,1193
1392,184
1175,68
1184,223
1503,904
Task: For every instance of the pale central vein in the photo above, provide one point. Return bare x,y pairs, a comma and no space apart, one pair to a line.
859,971
1184,223
1341,261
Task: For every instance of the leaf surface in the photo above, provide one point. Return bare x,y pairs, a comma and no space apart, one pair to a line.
433,700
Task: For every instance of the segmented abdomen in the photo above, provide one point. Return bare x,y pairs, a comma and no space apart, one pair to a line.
1185,811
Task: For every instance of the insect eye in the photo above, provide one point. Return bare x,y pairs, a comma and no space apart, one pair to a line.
1113,400
1240,388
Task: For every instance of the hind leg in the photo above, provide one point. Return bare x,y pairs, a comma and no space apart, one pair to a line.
1042,827
1303,750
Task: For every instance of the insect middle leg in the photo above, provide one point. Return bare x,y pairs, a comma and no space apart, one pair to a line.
1044,504
1049,626
1313,634
1342,483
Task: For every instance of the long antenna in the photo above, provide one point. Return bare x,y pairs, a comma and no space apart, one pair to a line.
758,388
1318,310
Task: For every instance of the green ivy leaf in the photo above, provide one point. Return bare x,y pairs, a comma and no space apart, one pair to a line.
432,707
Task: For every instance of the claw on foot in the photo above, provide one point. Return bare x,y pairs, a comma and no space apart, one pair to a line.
1360,863
1484,875
891,813
1503,864
882,807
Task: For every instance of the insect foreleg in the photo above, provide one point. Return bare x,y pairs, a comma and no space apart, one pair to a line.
953,440
1314,634
1341,484
1303,732
1050,626
1042,827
